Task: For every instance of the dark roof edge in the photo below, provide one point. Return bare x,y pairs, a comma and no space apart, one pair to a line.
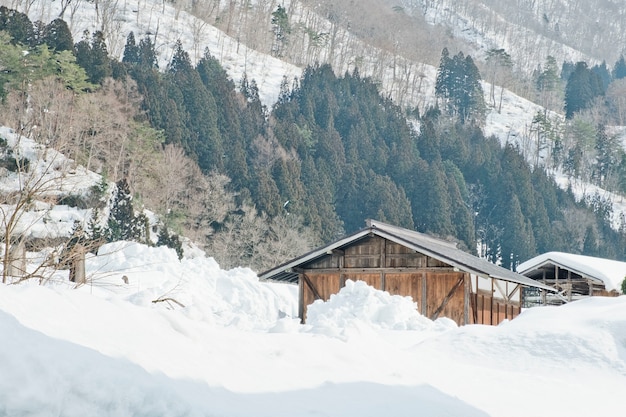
381,229
522,280
561,265
314,253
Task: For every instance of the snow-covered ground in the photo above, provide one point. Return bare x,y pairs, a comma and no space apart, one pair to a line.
221,343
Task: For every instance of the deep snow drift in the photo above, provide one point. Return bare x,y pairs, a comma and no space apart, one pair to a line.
221,343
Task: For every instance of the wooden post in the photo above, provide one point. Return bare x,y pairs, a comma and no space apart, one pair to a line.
569,285
383,262
424,295
17,260
301,298
556,277
466,299
342,275
543,292
77,267
491,302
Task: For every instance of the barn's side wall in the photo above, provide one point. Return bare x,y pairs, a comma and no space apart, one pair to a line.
438,289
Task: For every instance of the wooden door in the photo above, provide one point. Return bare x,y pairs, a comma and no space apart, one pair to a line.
445,296
316,286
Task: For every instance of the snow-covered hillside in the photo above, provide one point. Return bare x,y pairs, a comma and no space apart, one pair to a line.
221,343
568,30
167,24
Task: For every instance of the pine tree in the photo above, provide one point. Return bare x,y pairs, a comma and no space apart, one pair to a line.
170,240
350,187
544,238
607,149
197,105
619,69
428,142
284,94
100,61
567,68
131,50
444,76
57,36
95,231
472,107
281,28
590,243
462,217
91,54
72,74
603,74
82,50
429,199
180,60
458,84
583,85
18,26
122,224
548,84
147,54
518,242
231,119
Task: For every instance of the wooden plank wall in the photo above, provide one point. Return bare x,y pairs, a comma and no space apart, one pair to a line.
407,284
438,287
438,290
489,310
325,285
441,285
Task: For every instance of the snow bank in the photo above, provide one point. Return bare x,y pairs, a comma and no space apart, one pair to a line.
224,343
582,335
48,377
52,377
358,305
154,277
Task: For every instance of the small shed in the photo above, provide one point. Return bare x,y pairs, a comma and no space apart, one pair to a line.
444,280
573,276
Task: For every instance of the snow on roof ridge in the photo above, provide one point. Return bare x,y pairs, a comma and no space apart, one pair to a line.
609,271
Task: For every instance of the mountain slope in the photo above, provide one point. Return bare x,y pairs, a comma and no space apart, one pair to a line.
530,30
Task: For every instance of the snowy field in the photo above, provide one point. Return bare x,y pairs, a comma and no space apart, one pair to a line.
221,343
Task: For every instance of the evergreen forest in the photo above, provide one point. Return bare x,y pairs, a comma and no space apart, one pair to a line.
265,184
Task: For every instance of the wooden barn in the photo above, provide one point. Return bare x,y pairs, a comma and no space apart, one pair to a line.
573,276
442,279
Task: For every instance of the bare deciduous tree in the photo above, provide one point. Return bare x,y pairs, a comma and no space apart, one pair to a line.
616,99
35,181
43,114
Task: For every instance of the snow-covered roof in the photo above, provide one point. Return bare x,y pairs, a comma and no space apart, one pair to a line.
608,271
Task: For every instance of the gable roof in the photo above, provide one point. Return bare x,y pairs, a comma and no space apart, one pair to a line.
435,248
611,273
